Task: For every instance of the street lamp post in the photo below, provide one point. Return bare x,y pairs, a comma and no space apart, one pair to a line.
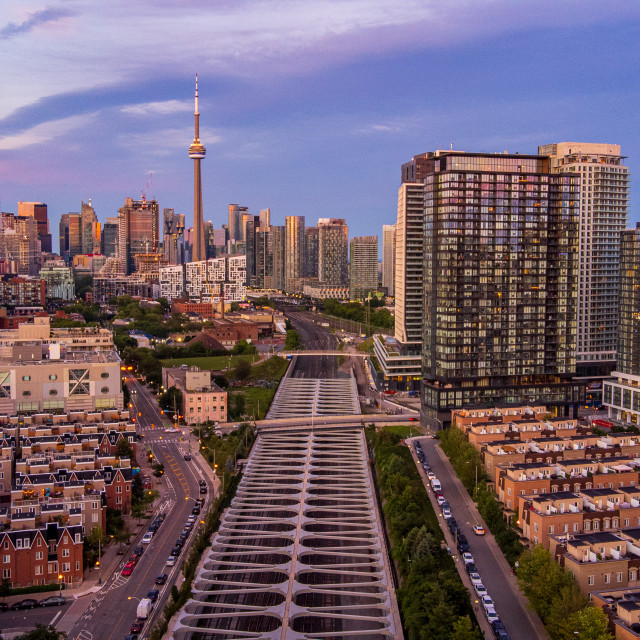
60,579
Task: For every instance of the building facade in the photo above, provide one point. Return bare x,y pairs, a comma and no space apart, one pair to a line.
138,232
60,283
500,283
363,266
173,236
311,252
172,282
294,254
38,211
388,258
333,251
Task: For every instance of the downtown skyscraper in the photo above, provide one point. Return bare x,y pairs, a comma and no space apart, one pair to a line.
363,266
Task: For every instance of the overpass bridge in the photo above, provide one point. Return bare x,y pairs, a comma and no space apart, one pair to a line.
326,352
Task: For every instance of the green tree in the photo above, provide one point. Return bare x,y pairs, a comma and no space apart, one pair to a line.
171,399
158,469
5,588
175,594
125,450
292,341
463,630
591,623
43,632
242,370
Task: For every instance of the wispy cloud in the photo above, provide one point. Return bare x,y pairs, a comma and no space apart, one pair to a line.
165,141
37,18
165,107
42,132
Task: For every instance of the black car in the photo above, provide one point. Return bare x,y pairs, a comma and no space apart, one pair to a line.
179,543
203,489
175,551
153,527
29,603
153,594
161,579
53,601
200,501
3,606
470,567
196,510
131,636
187,457
202,483
138,551
501,634
463,544
161,517
184,535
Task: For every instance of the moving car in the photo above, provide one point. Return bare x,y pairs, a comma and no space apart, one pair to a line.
187,457
478,529
162,578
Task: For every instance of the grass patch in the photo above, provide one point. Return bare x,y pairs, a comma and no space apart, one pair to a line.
212,363
405,430
257,400
272,369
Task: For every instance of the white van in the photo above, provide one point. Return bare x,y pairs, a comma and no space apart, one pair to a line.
144,608
435,484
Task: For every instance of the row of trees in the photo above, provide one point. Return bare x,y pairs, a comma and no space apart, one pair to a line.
434,603
364,313
467,464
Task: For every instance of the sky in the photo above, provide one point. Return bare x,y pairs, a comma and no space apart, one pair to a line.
308,107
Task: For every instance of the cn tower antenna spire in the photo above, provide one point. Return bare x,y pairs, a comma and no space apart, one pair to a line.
197,153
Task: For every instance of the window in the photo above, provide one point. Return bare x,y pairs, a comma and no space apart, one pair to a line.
94,517
626,522
509,491
77,565
104,375
53,376
66,567
53,392
6,573
39,555
6,559
78,537
39,570
26,378
26,393
65,553
607,578
591,580
104,390
119,500
633,574
619,577
551,529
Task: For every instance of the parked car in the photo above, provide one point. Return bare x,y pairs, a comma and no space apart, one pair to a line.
446,513
4,606
133,558
470,568
147,537
200,501
171,560
491,614
196,510
53,601
127,569
467,558
175,550
139,550
131,636
480,589
153,594
161,579
440,499
188,526
475,577
478,529
28,603
463,544
202,483
136,627
487,602
179,543
203,489
191,518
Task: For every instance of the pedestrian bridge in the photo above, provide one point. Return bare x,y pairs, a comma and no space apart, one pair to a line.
335,352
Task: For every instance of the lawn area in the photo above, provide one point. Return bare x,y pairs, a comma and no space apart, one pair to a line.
256,397
405,430
272,369
214,363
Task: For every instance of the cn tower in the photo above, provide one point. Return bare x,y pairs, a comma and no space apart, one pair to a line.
197,152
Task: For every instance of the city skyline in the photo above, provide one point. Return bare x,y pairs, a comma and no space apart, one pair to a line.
298,102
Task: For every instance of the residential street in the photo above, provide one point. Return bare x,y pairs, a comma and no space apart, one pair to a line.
511,605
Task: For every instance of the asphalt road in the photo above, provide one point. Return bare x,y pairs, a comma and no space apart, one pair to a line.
110,613
496,574
28,618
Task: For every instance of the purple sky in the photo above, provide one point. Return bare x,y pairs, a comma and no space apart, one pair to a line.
308,107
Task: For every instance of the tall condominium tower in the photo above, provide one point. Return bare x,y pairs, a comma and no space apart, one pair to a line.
275,278
197,152
409,264
621,395
500,283
19,242
138,231
311,251
294,254
251,226
388,257
333,251
363,266
603,216
38,211
90,229
265,218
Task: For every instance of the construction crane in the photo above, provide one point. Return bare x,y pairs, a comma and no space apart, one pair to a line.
146,189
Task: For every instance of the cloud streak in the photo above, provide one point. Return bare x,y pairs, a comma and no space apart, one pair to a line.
43,132
35,19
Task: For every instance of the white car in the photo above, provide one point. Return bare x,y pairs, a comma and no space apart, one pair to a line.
446,513
431,475
147,537
441,500
171,560
480,589
491,615
475,577
467,558
487,602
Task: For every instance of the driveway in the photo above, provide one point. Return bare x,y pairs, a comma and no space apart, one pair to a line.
511,605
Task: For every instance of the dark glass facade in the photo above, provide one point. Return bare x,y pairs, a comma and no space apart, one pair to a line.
628,356
500,282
